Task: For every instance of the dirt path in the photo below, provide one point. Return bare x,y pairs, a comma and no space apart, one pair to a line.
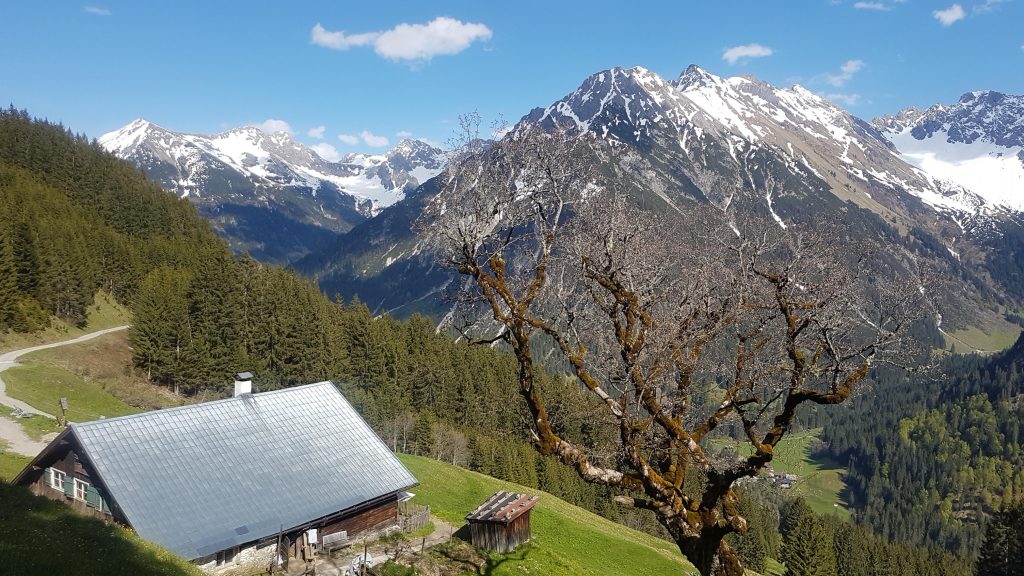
18,441
327,566
10,430
9,359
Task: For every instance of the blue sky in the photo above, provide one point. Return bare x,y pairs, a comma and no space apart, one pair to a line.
370,73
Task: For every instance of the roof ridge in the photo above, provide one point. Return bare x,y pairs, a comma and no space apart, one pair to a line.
91,423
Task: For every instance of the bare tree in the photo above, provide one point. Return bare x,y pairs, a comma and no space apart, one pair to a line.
647,310
398,429
451,446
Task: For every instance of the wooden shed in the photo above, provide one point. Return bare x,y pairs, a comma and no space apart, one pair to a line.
502,523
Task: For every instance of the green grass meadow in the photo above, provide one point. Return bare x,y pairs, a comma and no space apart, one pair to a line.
566,539
41,386
819,481
105,312
43,537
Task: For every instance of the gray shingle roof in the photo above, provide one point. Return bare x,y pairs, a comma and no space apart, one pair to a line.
202,478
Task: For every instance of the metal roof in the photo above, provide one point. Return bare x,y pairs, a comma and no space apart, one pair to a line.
503,508
199,479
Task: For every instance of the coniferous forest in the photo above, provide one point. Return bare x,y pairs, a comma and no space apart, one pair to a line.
931,456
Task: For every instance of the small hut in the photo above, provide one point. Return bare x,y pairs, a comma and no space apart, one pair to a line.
502,523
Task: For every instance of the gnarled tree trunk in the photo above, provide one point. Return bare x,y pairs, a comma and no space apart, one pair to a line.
712,556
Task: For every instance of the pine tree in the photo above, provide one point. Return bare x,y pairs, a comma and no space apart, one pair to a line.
1002,553
160,330
807,545
8,278
216,301
423,433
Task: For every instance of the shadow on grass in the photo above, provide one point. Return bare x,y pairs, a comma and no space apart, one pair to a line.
460,553
45,537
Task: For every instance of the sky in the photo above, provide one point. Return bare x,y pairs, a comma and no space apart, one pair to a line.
359,76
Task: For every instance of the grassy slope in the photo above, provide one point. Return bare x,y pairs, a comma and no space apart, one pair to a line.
566,539
10,464
92,375
998,336
820,482
39,536
41,385
104,313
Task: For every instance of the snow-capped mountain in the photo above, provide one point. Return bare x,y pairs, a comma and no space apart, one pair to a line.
736,143
267,193
716,131
978,143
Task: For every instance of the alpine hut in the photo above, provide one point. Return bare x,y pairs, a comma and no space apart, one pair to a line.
227,483
502,523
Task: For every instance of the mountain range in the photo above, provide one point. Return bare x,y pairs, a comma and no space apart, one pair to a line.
268,194
977,143
918,178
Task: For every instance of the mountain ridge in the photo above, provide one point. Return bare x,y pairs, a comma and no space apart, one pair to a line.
268,194
976,143
735,143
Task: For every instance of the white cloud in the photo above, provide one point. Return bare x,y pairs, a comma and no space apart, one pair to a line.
271,125
411,42
97,10
846,72
950,15
349,139
317,132
872,6
848,99
338,40
372,139
326,151
988,6
737,53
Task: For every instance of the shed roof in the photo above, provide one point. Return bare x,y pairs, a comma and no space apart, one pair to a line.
503,507
199,479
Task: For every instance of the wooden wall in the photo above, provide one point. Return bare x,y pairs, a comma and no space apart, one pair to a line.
498,537
39,483
379,516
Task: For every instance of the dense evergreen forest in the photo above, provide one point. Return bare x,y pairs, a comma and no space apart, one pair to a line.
932,456
76,220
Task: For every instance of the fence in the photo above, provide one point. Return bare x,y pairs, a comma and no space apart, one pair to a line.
412,517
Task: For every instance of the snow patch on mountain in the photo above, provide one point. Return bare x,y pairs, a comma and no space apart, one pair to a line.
716,133
977,143
247,157
994,172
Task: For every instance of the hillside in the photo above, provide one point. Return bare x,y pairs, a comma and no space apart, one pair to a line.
931,456
76,221
78,544
566,539
747,149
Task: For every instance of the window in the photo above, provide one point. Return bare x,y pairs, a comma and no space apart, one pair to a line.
80,489
56,479
226,556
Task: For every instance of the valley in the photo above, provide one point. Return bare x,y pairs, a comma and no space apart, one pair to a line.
688,288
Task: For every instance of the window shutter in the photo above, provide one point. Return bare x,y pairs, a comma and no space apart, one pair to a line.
92,497
69,486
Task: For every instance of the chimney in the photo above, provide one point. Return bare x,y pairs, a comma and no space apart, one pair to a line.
243,383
